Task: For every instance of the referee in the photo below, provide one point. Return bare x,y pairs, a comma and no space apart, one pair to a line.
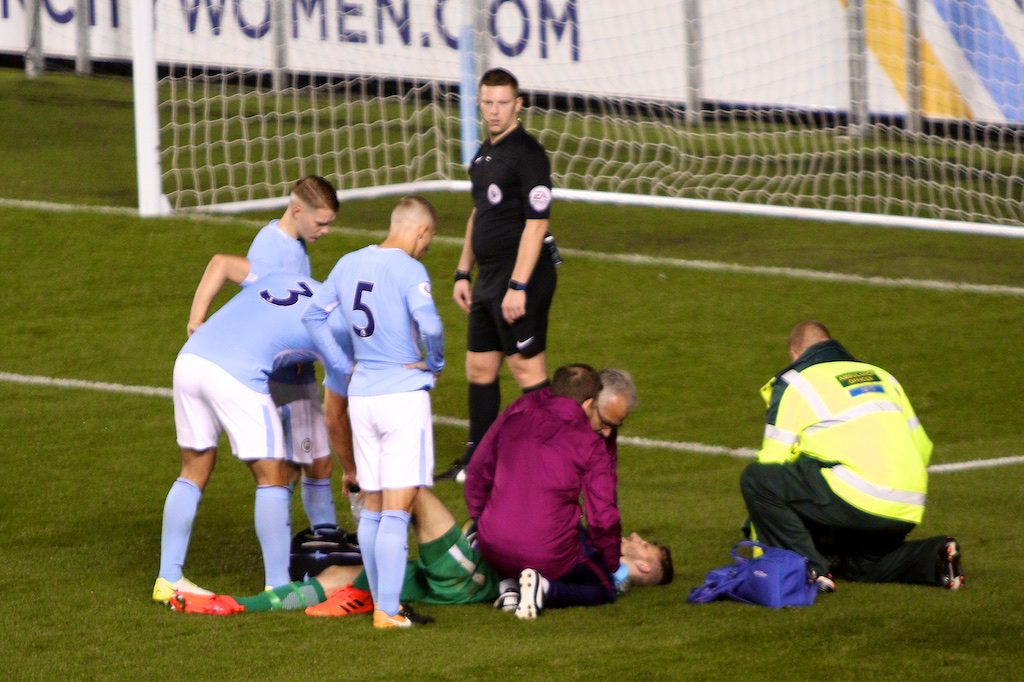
505,239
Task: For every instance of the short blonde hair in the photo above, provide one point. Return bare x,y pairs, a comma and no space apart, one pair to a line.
413,207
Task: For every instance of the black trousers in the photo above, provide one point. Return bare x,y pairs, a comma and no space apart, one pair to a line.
791,506
587,584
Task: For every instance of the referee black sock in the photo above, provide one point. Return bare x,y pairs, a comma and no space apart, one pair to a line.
484,403
536,387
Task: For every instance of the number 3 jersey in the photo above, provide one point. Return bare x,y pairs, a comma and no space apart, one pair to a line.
260,329
273,249
390,319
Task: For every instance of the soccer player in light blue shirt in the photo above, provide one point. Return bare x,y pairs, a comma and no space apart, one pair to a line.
260,330
221,384
283,244
397,345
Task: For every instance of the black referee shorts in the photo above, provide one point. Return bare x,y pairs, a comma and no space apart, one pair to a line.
527,336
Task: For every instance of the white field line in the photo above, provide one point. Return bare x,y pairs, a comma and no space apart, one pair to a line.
678,446
797,273
976,464
68,208
628,258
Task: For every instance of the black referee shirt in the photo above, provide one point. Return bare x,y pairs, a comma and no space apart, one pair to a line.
511,184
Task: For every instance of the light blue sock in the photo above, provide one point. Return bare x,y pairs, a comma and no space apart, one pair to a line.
179,513
271,518
318,501
391,552
369,524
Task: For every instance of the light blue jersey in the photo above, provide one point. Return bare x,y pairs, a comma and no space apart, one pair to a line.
261,329
274,248
384,299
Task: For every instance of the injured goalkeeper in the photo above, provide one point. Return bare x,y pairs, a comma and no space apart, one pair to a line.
448,570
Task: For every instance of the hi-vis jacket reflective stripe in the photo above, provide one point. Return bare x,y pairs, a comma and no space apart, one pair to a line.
855,416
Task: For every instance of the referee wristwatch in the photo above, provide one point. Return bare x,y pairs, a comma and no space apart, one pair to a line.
516,285
463,274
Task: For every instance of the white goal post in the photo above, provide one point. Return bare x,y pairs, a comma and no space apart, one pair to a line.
884,112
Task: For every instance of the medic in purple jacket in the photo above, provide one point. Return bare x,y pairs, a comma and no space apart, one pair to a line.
523,487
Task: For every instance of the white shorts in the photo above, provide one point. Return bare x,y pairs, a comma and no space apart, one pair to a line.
208,400
393,439
302,418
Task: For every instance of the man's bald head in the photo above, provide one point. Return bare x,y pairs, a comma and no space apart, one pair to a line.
804,335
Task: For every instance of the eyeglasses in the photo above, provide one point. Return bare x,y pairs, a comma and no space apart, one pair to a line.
604,422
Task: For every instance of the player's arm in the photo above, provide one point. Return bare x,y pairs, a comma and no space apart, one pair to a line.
420,306
334,357
462,292
339,430
431,337
221,268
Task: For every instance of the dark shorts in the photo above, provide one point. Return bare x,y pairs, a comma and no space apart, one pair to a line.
527,336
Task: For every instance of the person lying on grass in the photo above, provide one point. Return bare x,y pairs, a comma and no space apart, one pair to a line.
448,570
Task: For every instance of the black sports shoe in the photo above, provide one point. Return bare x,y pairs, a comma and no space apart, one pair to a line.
416,618
452,472
951,576
405,618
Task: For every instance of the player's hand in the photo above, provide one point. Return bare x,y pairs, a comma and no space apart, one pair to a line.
422,364
513,306
462,292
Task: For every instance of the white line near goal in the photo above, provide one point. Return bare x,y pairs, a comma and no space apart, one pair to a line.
627,258
678,446
767,270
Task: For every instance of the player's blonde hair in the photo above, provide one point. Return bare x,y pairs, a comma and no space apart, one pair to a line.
411,210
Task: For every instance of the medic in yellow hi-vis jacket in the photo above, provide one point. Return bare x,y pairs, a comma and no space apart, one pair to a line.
842,470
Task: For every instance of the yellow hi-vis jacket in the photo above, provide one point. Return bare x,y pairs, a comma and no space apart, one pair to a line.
857,418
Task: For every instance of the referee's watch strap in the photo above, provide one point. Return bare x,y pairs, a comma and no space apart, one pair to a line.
517,286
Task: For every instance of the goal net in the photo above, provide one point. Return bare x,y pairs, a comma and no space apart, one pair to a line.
254,95
892,111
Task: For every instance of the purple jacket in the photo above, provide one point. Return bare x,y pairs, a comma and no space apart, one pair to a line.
524,483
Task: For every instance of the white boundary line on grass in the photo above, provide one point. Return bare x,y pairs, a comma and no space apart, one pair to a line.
678,446
628,258
799,273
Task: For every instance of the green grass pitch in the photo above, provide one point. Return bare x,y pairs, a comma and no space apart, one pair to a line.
104,296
